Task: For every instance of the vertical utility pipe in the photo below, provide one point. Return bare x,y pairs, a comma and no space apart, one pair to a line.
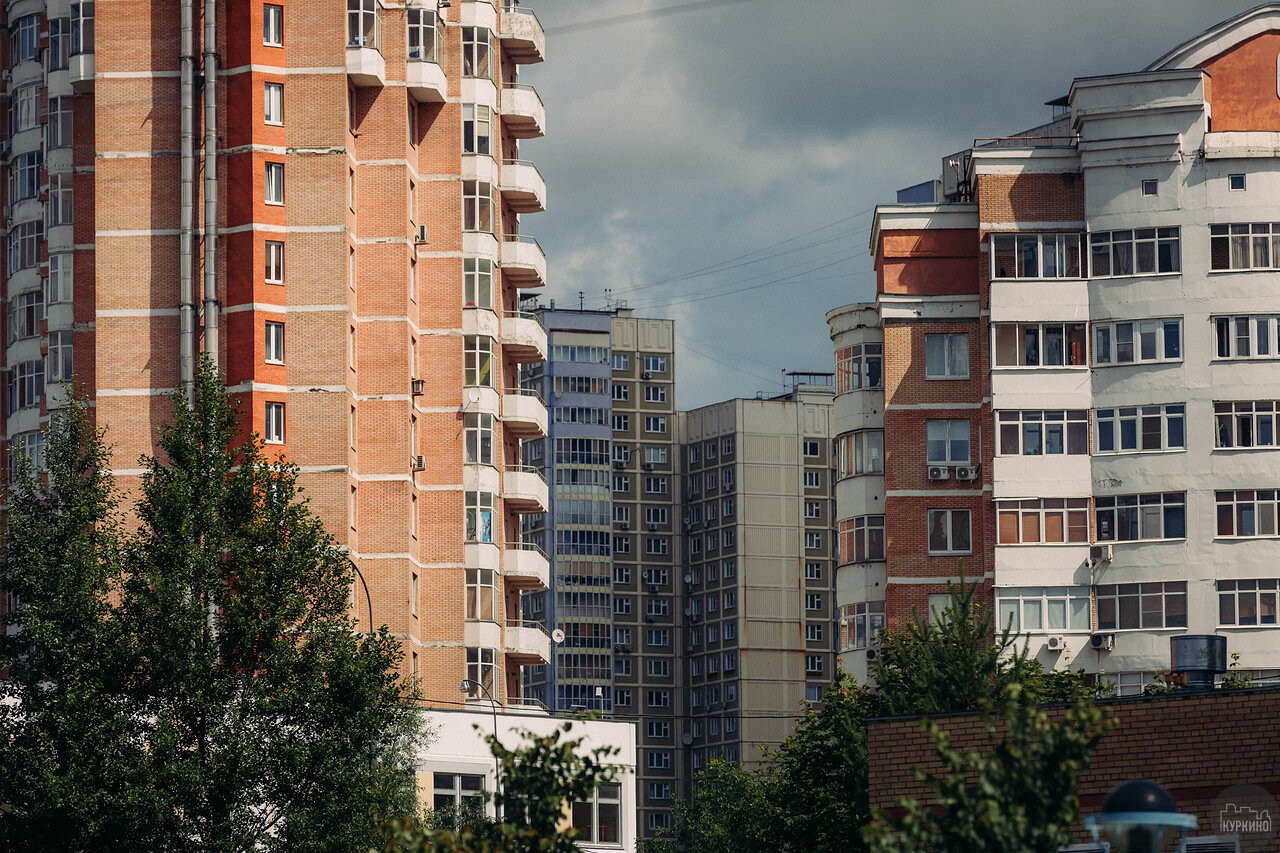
211,179
186,226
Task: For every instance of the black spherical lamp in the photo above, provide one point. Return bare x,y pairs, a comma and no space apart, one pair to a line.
1139,816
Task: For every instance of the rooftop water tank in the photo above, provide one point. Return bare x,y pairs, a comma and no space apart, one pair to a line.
1200,657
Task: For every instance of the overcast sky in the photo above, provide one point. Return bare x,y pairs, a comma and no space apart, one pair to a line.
716,162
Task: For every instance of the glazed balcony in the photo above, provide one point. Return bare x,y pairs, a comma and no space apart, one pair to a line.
524,489
523,114
523,338
527,641
425,81
522,187
524,414
366,66
521,33
523,262
525,566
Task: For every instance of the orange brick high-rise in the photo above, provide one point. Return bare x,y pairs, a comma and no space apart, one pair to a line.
327,197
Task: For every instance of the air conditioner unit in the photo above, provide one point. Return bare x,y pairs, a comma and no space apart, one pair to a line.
619,464
652,528
1102,642
967,473
939,472
1100,553
418,463
644,375
418,387
1057,644
648,466
421,236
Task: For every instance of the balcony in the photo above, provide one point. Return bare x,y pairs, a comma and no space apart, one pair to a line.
524,414
528,640
365,65
525,566
521,34
425,81
523,262
523,337
80,73
524,489
522,187
523,114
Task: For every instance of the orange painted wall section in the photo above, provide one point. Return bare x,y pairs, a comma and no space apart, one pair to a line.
928,262
1244,92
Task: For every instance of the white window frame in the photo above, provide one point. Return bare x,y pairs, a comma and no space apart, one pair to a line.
1151,514
1245,424
1041,609
273,342
1140,429
1037,256
273,423
61,282
1259,595
946,355
655,424
655,393
1032,517
273,25
947,441
1247,513
273,183
1146,341
1245,337
1135,252
1033,348
273,103
949,531
1111,600
1067,430
1244,246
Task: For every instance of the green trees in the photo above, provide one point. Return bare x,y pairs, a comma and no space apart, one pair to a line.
196,684
811,794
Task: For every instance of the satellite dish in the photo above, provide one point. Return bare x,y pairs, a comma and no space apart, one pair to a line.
557,636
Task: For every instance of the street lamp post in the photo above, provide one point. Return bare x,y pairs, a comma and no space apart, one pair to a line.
466,686
1139,816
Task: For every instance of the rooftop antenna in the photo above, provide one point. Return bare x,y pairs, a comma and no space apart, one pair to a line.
581,298
608,298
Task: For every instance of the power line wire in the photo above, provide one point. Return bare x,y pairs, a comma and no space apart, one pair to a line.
632,17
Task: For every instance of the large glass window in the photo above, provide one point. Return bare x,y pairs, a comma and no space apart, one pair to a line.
479,516
1250,423
861,539
480,673
860,452
423,35
58,131
81,28
1247,512
1131,518
1142,251
1133,429
1042,432
24,245
60,364
1042,520
1145,605
61,208
59,43
1040,345
1247,602
24,108
458,792
949,531
476,56
363,26
1040,608
26,311
1245,336
477,360
477,126
1133,341
946,356
477,206
478,429
273,183
24,176
947,441
24,38
481,595
1035,256
1244,246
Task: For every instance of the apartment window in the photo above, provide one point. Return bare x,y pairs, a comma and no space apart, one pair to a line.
480,672
273,183
658,668
24,176
1137,428
58,132
60,364
476,56
478,438
621,514
862,539
621,361
1042,521
660,790
658,699
1149,186
477,127
422,35
1035,256
730,631
273,103
621,483
60,210
273,25
24,38
1132,518
946,356
457,791
655,485
947,441
813,601
860,452
655,393
812,541
813,664
858,367
621,393
1141,251
273,252
26,311
1244,246
621,423
655,423
728,537
813,479
813,571
1247,602
726,479
813,632
481,595
655,364
1247,512
273,342
655,515
61,275
868,622
363,26
656,546
1245,336
812,448
477,206
59,43
621,605
813,509
82,40
479,516
597,819
1037,433
1136,341
655,456
622,544
709,450
1142,605
1040,608
24,108
622,697
1245,424
949,531
1235,183
711,480
274,424
477,360
24,245
24,448
657,607
1040,345
657,638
